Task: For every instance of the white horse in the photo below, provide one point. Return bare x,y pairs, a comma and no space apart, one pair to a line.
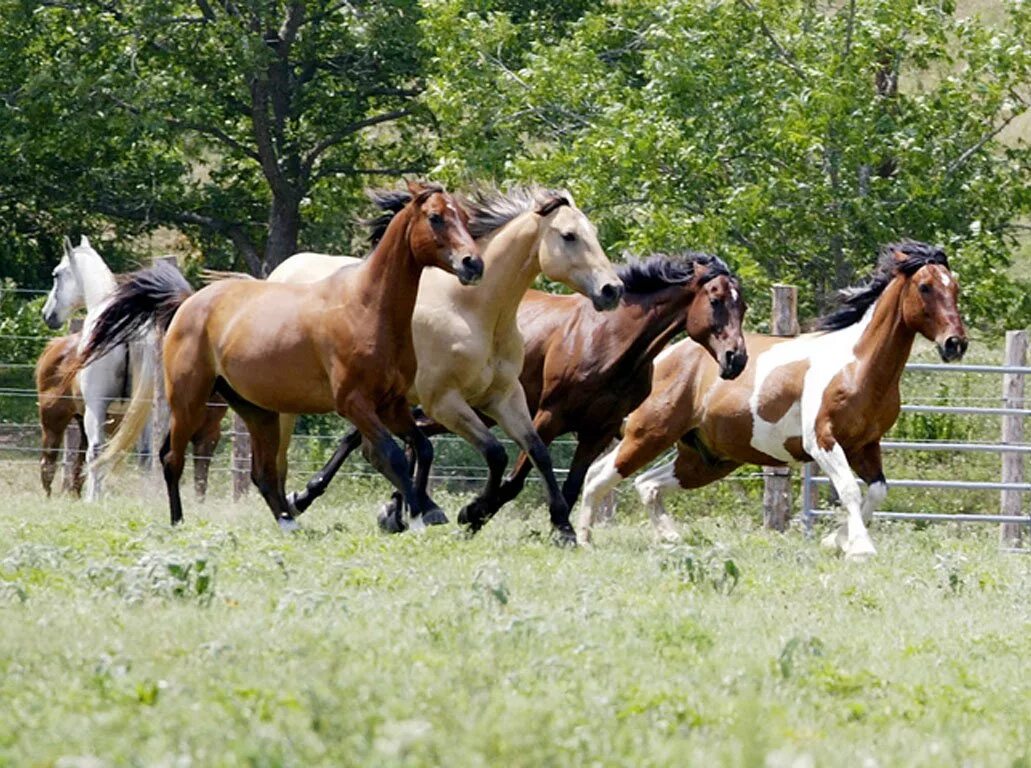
83,279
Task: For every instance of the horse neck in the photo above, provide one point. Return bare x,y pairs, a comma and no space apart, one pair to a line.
511,264
98,282
388,280
645,322
885,344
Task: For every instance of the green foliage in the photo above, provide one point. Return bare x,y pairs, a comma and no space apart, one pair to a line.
794,138
23,334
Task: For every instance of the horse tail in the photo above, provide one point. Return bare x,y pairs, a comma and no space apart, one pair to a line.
148,296
136,415
209,276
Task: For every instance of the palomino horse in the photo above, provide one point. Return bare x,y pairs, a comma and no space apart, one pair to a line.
341,344
467,342
583,371
82,278
826,397
60,401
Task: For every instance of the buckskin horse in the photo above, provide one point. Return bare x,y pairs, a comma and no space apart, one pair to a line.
467,342
340,344
826,397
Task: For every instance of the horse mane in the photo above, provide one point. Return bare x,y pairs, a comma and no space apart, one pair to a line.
391,202
660,270
855,301
490,209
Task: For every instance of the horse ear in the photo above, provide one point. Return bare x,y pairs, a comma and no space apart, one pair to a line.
415,187
84,242
67,246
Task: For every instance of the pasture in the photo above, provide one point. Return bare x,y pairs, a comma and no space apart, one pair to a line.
226,642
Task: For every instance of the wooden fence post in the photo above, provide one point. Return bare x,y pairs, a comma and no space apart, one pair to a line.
72,435
1012,432
777,480
241,458
159,414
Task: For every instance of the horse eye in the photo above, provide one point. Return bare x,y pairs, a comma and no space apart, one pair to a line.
714,302
569,237
436,219
925,288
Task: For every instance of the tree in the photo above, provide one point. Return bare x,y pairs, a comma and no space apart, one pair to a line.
790,136
241,122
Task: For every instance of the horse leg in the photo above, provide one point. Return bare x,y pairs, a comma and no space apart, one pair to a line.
93,429
588,448
548,428
204,444
385,455
73,484
454,413
513,416
286,431
301,500
867,464
143,445
852,537
420,468
48,459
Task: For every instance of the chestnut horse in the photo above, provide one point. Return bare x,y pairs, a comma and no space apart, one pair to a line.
826,397
583,372
467,342
341,344
60,401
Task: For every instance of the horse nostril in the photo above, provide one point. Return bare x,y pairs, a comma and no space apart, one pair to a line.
472,265
612,292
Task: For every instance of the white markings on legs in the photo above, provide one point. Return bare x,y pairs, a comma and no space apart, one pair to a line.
602,477
852,537
651,487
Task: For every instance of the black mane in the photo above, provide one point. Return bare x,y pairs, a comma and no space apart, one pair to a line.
856,300
391,202
490,208
661,271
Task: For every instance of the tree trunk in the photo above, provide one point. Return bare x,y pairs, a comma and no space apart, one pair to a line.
284,225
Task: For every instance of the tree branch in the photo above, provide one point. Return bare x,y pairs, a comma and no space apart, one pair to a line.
330,169
970,151
335,138
782,52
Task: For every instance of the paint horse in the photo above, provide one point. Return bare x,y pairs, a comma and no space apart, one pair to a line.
60,402
826,397
83,279
583,371
340,344
467,342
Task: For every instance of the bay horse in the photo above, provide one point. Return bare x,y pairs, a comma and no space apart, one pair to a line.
60,402
583,371
827,397
340,344
82,278
467,342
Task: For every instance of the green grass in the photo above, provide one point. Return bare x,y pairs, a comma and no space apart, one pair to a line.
227,643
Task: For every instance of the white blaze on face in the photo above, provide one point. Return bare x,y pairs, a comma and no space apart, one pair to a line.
946,280
827,354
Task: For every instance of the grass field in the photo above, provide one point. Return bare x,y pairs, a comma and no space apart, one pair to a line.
123,642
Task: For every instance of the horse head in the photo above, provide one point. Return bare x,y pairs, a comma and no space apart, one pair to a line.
66,294
438,233
569,252
930,297
715,316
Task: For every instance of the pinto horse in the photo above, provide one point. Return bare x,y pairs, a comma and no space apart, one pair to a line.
583,371
60,401
467,342
341,344
826,397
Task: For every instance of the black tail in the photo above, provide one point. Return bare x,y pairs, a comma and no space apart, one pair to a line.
149,295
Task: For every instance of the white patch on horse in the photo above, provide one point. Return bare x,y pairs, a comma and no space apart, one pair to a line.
734,294
946,280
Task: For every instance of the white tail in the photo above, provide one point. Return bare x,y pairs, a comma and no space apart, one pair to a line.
138,413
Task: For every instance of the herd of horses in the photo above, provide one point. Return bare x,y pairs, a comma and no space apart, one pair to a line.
437,329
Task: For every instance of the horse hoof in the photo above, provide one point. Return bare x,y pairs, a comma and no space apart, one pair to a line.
291,503
565,537
417,525
859,551
288,524
835,540
389,523
669,536
435,516
583,537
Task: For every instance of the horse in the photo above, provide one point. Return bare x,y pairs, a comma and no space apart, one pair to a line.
467,342
583,372
83,279
340,344
60,401
827,397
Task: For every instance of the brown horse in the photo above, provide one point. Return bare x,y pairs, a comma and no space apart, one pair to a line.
826,397
60,402
340,344
584,371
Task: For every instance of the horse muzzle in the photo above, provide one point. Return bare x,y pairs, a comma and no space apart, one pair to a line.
608,297
953,348
733,363
52,319
469,270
